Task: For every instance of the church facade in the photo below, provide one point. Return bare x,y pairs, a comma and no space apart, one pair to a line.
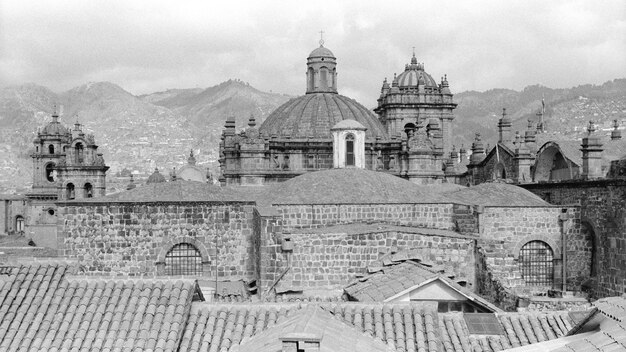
410,136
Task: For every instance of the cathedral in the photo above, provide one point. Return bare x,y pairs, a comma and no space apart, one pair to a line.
410,136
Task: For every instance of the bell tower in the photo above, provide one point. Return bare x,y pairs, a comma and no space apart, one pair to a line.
50,145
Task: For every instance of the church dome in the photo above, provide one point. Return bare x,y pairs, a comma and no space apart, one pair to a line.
54,127
156,177
413,74
313,115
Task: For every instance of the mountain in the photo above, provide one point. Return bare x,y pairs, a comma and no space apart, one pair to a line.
138,133
568,111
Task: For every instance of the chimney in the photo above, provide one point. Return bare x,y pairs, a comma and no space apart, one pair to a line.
592,154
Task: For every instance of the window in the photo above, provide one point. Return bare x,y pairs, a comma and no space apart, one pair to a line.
183,259
88,190
69,191
50,172
78,150
51,149
350,150
535,260
323,78
19,223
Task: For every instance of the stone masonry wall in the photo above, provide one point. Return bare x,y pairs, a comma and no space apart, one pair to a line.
439,216
332,260
129,239
504,230
603,212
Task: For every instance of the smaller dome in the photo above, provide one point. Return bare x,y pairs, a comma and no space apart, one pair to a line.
54,127
321,52
156,177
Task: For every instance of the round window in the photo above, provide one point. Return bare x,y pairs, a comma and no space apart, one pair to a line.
51,211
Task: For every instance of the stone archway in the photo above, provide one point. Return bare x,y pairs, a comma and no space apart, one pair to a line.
165,249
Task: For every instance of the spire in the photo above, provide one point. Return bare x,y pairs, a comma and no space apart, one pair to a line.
413,59
55,114
251,121
321,38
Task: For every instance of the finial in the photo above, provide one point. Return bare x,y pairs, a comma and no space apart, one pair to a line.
477,136
55,109
445,77
321,38
503,113
591,128
615,124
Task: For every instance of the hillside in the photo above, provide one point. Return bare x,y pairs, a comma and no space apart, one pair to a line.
138,133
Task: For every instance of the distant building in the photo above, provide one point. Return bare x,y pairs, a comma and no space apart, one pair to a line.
66,166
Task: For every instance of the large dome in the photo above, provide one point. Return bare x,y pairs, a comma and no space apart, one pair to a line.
313,115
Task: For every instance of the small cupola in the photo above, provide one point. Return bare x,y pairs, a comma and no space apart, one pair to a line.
321,73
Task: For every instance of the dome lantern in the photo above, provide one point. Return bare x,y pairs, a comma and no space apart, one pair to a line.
321,73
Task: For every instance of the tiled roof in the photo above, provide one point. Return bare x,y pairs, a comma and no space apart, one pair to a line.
402,326
496,194
177,191
41,308
350,186
217,327
518,329
312,322
400,273
603,330
389,281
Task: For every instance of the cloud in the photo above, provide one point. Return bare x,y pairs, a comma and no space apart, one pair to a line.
148,46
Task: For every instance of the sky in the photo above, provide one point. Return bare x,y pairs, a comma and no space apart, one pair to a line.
149,46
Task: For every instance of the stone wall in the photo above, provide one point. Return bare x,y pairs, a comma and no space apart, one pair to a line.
130,239
505,230
439,216
331,260
489,286
603,214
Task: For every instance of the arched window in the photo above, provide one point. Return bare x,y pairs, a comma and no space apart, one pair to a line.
19,224
323,78
311,79
535,260
69,191
88,190
50,172
51,149
78,153
183,259
350,150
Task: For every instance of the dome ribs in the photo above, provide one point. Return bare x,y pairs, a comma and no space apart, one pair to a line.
313,115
